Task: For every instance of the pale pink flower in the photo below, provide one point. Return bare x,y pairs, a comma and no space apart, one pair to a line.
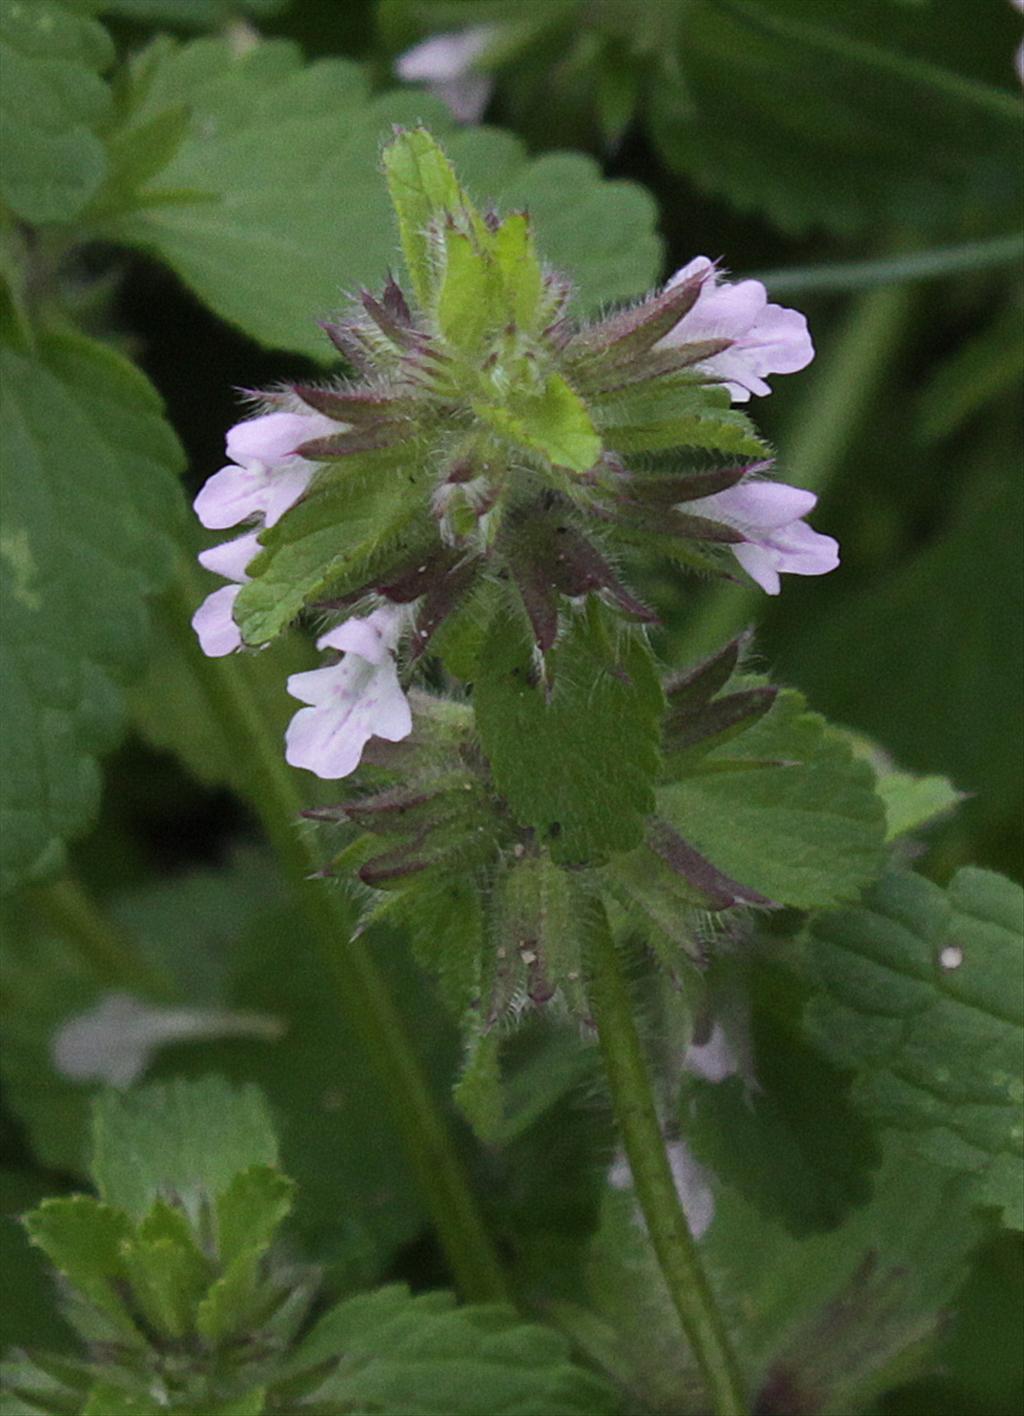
765,339
214,622
444,62
770,517
265,476
351,701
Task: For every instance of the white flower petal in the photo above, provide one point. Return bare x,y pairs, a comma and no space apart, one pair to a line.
328,746
759,563
230,558
231,495
356,636
804,551
213,623
759,506
115,1041
273,437
765,338
284,486
351,701
445,56
466,99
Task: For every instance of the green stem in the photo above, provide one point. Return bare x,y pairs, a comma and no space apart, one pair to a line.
361,991
655,1189
816,443
69,911
839,277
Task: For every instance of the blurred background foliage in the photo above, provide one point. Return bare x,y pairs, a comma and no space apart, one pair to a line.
862,157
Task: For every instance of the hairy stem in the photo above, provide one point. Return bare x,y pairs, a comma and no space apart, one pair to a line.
361,991
673,1245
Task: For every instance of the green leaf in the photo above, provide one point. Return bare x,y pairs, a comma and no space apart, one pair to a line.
83,1239
821,1323
604,685
282,161
519,266
924,997
911,802
423,1355
807,833
465,300
178,1140
791,1143
424,190
52,162
167,1271
892,636
250,1210
553,422
832,116
715,430
226,1311
89,498
346,531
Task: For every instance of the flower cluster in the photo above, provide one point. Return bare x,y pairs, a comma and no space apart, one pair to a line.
488,441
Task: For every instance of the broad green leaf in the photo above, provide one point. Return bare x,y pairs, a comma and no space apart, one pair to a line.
820,1323
553,422
179,1140
911,802
83,1238
831,115
892,636
791,1144
293,208
421,1355
52,104
914,802
89,500
478,1090
802,823
605,691
923,995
